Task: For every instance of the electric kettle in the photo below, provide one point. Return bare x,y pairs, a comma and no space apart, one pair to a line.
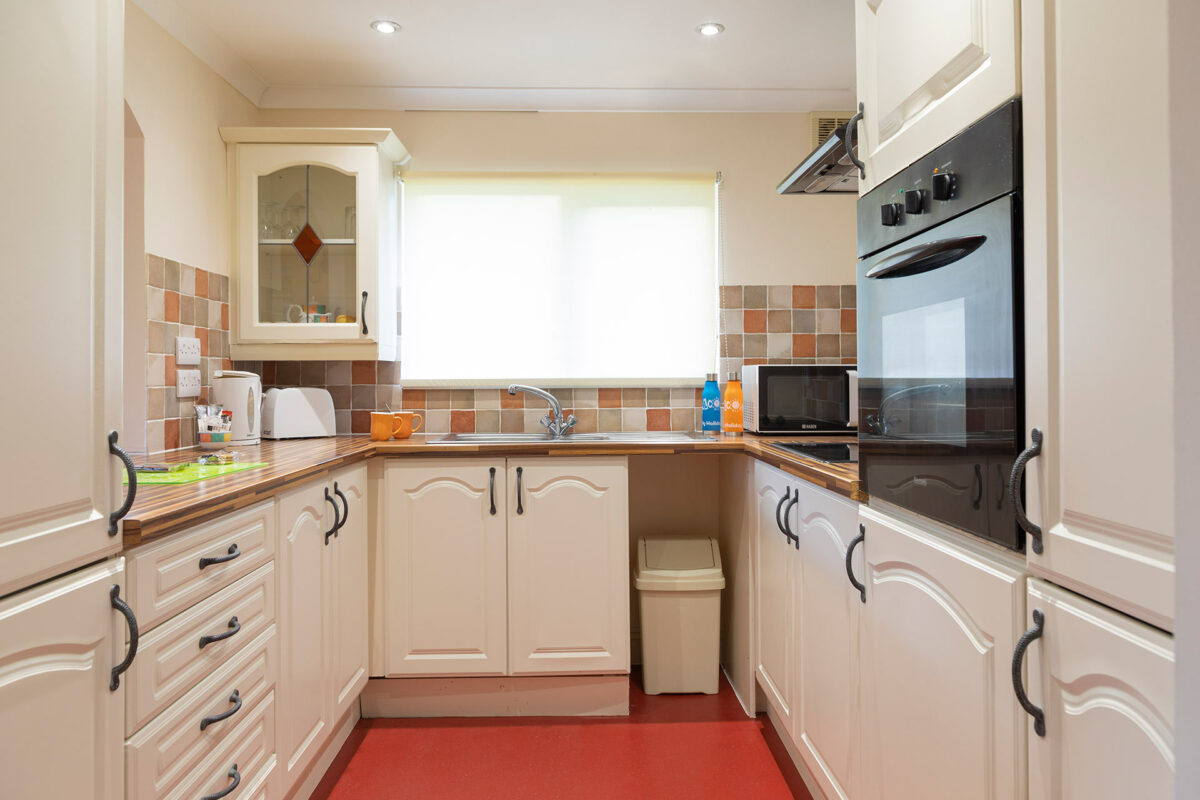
241,393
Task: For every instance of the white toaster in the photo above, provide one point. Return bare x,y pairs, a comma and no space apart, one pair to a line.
297,413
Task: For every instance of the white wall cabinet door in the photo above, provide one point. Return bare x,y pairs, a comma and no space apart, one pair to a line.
568,565
940,625
348,650
63,729
305,599
925,71
445,546
1106,685
1109,529
62,258
828,609
775,565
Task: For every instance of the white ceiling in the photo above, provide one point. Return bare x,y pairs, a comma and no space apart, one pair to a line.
775,55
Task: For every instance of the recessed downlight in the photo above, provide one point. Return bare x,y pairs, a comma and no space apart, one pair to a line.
385,26
709,28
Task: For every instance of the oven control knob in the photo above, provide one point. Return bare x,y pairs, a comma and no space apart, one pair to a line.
944,185
889,213
914,201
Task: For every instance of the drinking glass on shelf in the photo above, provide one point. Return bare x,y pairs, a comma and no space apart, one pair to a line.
268,220
293,221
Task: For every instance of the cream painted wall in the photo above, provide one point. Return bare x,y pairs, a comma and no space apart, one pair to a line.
769,239
179,102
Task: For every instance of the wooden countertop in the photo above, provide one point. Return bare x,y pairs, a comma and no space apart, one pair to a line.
160,510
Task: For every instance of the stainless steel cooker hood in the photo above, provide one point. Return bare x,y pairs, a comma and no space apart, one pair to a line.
827,169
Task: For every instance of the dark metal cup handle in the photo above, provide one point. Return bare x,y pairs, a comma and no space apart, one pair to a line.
235,776
236,699
852,130
233,553
520,506
855,542
1014,489
234,627
779,508
787,513
345,509
978,495
131,490
363,313
1039,716
492,489
332,502
114,597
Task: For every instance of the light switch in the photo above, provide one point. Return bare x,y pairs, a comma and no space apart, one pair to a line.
187,382
187,352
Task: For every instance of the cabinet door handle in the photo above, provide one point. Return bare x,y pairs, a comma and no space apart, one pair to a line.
236,699
1039,716
520,507
978,495
779,508
131,490
492,489
234,627
345,509
114,598
362,316
235,776
787,526
233,553
332,502
852,128
855,542
1014,486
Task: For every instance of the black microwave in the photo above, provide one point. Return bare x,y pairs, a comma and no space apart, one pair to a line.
800,398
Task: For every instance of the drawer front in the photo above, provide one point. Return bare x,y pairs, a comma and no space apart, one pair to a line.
166,578
167,749
251,747
170,660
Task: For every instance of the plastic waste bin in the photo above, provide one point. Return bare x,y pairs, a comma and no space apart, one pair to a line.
679,582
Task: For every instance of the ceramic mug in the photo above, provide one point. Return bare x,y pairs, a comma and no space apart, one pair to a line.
382,426
406,423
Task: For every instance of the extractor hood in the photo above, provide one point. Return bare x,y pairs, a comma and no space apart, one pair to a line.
827,169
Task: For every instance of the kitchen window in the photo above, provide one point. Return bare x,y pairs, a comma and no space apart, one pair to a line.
561,279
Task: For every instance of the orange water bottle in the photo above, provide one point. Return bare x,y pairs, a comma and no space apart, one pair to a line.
732,422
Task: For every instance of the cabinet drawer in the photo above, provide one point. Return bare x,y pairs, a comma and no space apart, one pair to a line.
172,744
166,578
251,746
170,660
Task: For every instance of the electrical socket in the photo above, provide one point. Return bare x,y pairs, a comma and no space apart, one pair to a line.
187,351
187,383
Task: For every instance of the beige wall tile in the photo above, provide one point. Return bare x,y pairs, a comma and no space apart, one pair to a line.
587,420
633,419
779,345
155,300
633,398
487,398
755,345
337,373
437,398
156,369
731,296
586,398
658,398
512,420
155,436
156,403
609,419
731,321
462,398
487,420
683,397
437,420
779,296
682,419
754,297
533,417
155,271
566,397
187,279
829,320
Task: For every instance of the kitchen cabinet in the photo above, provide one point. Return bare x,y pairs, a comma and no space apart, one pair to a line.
322,612
1105,683
62,252
825,708
316,215
62,719
940,624
1107,527
506,567
775,581
926,71
568,565
447,582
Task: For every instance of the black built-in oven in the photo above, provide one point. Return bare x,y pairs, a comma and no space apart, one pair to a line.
939,331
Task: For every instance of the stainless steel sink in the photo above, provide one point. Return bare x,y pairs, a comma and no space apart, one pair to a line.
626,437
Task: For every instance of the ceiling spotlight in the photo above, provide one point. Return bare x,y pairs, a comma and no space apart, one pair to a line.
709,28
385,26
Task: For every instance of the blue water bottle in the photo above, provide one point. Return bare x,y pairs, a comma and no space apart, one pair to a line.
710,402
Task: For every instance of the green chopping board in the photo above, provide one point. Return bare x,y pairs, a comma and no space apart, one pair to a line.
191,473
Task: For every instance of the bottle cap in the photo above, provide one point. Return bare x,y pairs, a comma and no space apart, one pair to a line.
712,376
733,376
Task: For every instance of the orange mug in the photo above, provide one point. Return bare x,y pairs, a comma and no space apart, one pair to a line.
381,426
406,423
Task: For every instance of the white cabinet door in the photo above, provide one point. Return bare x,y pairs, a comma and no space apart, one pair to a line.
774,581
1106,684
828,609
446,588
1108,526
348,642
62,726
940,625
568,565
926,70
60,76
305,599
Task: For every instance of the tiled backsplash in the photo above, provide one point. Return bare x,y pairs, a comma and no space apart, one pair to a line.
357,387
181,301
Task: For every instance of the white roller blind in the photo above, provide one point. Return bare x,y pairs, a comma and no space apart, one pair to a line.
558,279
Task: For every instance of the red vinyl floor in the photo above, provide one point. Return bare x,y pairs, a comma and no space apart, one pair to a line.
670,746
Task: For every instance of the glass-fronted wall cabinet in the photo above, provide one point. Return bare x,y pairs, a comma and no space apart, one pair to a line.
316,228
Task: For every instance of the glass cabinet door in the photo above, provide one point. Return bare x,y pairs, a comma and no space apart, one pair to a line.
307,253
